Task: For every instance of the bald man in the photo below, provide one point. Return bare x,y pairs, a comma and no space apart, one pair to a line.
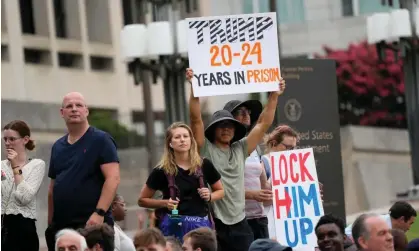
84,172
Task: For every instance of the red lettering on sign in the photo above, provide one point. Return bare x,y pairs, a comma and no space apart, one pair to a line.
293,167
283,169
285,202
294,176
275,180
303,168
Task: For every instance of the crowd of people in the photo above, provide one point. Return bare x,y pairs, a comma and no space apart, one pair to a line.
215,183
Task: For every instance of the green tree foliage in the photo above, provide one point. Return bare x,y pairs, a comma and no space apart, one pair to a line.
124,137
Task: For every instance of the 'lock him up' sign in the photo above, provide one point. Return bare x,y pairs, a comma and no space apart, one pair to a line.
297,199
234,54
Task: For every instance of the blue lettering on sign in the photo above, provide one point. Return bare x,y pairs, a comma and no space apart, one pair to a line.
311,196
295,202
301,227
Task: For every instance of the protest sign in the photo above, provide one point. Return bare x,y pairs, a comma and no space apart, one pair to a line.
310,105
234,54
297,200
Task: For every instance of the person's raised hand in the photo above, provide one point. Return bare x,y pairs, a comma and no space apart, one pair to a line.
189,75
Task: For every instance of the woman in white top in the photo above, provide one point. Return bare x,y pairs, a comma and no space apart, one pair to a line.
21,179
122,241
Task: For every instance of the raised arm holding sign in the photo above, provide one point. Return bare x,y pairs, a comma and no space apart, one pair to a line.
234,54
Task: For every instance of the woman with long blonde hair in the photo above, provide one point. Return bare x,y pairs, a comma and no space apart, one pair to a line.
182,176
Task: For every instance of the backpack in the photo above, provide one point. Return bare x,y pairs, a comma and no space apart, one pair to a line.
174,190
267,165
259,152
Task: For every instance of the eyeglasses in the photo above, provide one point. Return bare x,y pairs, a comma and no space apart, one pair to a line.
289,147
10,139
242,112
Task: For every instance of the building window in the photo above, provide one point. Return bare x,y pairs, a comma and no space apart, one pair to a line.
362,7
290,11
60,19
371,6
263,6
27,17
347,8
133,11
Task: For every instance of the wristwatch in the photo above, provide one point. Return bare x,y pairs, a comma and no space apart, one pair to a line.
100,212
17,171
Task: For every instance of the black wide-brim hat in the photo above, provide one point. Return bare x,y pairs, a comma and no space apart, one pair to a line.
254,106
223,115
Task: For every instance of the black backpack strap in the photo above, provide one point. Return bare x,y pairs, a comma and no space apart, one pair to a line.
173,189
200,175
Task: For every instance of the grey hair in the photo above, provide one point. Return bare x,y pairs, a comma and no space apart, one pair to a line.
359,228
68,231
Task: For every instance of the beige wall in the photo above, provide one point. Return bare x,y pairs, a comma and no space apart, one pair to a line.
89,34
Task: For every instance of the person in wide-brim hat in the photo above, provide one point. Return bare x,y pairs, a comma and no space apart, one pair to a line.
254,108
223,118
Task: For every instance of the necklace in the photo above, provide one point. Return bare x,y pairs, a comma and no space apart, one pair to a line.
21,166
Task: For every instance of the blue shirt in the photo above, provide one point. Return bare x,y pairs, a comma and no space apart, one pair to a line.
78,176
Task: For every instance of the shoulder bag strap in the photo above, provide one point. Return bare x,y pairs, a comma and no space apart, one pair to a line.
267,167
200,175
173,189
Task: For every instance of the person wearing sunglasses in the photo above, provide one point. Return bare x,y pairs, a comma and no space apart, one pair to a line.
22,178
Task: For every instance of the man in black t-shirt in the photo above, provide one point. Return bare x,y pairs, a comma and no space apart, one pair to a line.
84,172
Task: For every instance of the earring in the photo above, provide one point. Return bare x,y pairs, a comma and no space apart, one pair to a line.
170,145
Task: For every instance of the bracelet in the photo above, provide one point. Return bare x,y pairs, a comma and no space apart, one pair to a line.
210,198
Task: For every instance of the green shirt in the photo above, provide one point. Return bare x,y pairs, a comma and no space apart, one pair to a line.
229,163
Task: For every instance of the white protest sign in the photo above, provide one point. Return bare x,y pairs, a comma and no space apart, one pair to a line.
234,54
297,200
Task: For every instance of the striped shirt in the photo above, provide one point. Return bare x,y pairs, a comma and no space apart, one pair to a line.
252,173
